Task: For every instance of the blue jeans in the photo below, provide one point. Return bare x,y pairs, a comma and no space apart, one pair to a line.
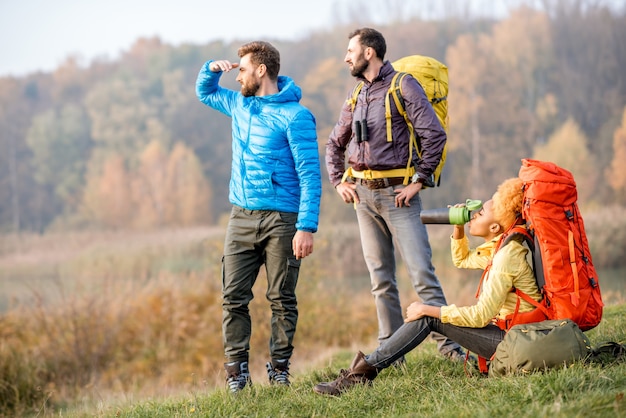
255,238
482,341
383,229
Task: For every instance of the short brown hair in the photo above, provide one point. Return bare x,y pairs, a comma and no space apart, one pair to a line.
372,38
507,202
262,53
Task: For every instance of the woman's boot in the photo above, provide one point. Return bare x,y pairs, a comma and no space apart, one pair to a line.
359,372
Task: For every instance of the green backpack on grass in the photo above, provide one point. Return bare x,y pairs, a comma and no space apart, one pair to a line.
539,346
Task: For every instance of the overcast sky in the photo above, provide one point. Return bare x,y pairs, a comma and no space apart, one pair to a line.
40,34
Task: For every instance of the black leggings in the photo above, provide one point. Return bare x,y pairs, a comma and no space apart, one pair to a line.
482,341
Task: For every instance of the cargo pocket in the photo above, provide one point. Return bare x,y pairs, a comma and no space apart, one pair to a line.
291,278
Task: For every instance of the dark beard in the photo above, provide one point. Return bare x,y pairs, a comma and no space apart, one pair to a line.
250,89
359,68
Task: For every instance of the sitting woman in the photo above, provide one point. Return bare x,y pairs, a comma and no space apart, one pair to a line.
473,327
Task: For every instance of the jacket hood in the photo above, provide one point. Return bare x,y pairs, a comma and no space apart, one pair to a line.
288,91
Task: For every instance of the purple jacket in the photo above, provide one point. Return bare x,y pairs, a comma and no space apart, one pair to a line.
377,153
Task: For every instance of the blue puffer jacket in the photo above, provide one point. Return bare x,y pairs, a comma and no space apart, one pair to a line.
275,156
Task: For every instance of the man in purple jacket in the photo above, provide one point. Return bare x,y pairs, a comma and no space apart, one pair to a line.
388,211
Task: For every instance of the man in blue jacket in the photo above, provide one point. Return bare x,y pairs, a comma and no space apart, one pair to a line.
275,189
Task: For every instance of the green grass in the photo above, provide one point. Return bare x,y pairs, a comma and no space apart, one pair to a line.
429,386
130,325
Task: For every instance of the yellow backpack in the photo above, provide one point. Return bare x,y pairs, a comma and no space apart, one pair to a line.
433,77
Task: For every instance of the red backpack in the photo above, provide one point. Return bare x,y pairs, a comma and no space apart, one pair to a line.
556,236
563,268
562,264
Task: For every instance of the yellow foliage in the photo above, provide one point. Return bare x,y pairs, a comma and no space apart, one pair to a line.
149,186
189,193
616,174
567,148
107,197
165,189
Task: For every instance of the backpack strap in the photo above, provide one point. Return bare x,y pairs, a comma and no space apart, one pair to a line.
395,92
519,231
608,350
572,261
504,239
538,314
355,94
482,365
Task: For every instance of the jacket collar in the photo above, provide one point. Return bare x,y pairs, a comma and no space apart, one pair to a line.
386,70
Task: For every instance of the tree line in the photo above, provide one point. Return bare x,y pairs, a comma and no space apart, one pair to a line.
126,144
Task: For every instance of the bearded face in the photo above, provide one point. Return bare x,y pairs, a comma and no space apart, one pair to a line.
248,77
359,66
250,86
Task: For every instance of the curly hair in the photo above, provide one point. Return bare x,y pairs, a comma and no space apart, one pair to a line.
507,202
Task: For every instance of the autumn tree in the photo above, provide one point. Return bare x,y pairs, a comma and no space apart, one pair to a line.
514,81
107,199
568,148
24,204
205,132
591,53
10,211
124,119
327,91
149,186
615,173
465,102
188,193
496,81
70,81
61,144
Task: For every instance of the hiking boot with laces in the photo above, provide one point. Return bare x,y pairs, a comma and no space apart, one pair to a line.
237,375
360,372
278,372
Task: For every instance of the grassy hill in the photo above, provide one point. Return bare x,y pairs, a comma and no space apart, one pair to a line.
429,386
122,324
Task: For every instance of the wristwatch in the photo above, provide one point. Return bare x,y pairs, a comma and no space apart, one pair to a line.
419,178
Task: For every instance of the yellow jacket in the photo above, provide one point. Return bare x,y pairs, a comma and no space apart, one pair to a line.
509,269
465,257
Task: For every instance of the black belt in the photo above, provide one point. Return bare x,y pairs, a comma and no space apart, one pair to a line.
380,183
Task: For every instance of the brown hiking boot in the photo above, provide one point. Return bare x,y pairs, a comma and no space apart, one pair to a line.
359,373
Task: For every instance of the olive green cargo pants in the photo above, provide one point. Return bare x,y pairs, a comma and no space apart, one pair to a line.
254,238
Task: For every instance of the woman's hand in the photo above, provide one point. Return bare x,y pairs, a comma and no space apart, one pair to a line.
459,230
418,310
